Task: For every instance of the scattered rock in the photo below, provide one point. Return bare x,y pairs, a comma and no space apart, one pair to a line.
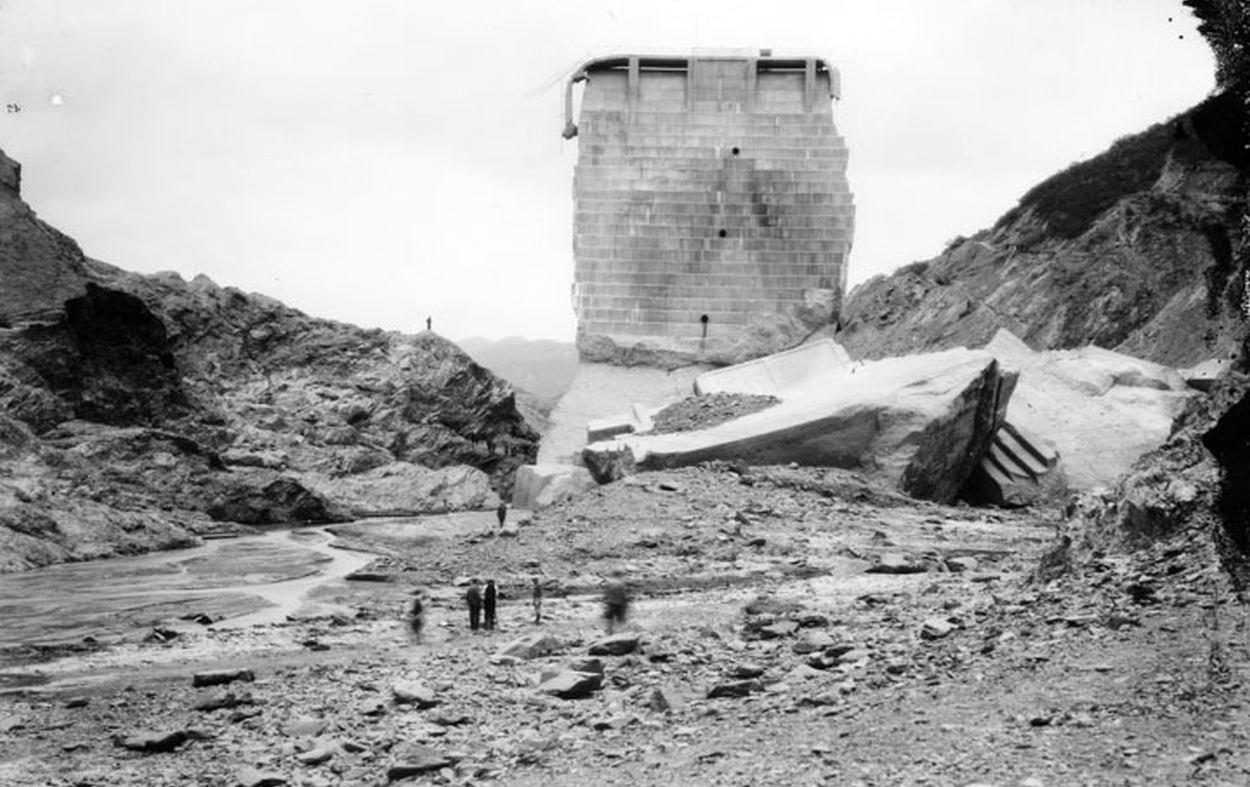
771,605
936,628
223,699
777,629
305,727
149,741
415,759
587,665
571,685
322,752
896,563
810,620
414,693
812,641
219,677
959,565
445,719
736,688
658,701
529,647
615,645
251,777
745,670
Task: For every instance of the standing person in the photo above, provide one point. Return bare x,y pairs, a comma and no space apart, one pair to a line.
502,513
474,597
491,597
615,602
538,601
416,615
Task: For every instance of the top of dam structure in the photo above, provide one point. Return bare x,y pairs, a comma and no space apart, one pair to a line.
712,215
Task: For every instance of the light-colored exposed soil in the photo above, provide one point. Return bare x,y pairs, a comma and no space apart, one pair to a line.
1129,672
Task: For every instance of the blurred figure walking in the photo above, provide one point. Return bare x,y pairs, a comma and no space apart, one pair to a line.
416,615
615,602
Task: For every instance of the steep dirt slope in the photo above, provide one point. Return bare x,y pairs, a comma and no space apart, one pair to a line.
1141,249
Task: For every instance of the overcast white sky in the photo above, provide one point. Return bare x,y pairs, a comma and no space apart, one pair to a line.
378,161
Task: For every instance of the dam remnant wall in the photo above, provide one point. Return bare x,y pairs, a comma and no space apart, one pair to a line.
713,219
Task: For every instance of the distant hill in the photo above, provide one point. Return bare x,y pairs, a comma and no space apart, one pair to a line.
1141,249
543,367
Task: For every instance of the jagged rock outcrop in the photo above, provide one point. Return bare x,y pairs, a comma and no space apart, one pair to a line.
39,267
141,410
1140,249
1192,484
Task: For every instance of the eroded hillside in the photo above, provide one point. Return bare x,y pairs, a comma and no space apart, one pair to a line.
1141,249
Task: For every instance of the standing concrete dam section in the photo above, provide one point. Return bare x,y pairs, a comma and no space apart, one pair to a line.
713,219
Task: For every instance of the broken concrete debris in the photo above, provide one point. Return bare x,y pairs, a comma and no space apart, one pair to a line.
917,424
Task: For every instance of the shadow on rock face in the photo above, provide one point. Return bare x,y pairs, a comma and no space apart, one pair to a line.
1229,442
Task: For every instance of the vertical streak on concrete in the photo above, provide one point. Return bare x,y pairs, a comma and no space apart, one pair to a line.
809,84
633,87
753,73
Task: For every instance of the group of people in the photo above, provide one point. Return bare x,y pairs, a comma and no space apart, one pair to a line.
485,600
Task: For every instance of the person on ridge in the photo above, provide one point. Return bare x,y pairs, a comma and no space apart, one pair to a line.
490,597
474,598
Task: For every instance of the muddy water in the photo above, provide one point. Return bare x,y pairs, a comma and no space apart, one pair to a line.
243,581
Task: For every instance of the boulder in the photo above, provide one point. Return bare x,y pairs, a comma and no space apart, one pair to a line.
658,701
223,699
811,641
745,670
587,665
735,688
403,488
257,499
415,759
220,677
414,693
615,645
896,563
918,423
323,751
254,777
936,628
531,646
571,685
539,486
149,741
772,605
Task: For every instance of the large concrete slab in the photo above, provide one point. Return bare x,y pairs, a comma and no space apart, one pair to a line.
1100,409
918,423
602,391
774,374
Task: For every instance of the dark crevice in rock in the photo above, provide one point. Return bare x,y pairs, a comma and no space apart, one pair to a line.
1229,442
